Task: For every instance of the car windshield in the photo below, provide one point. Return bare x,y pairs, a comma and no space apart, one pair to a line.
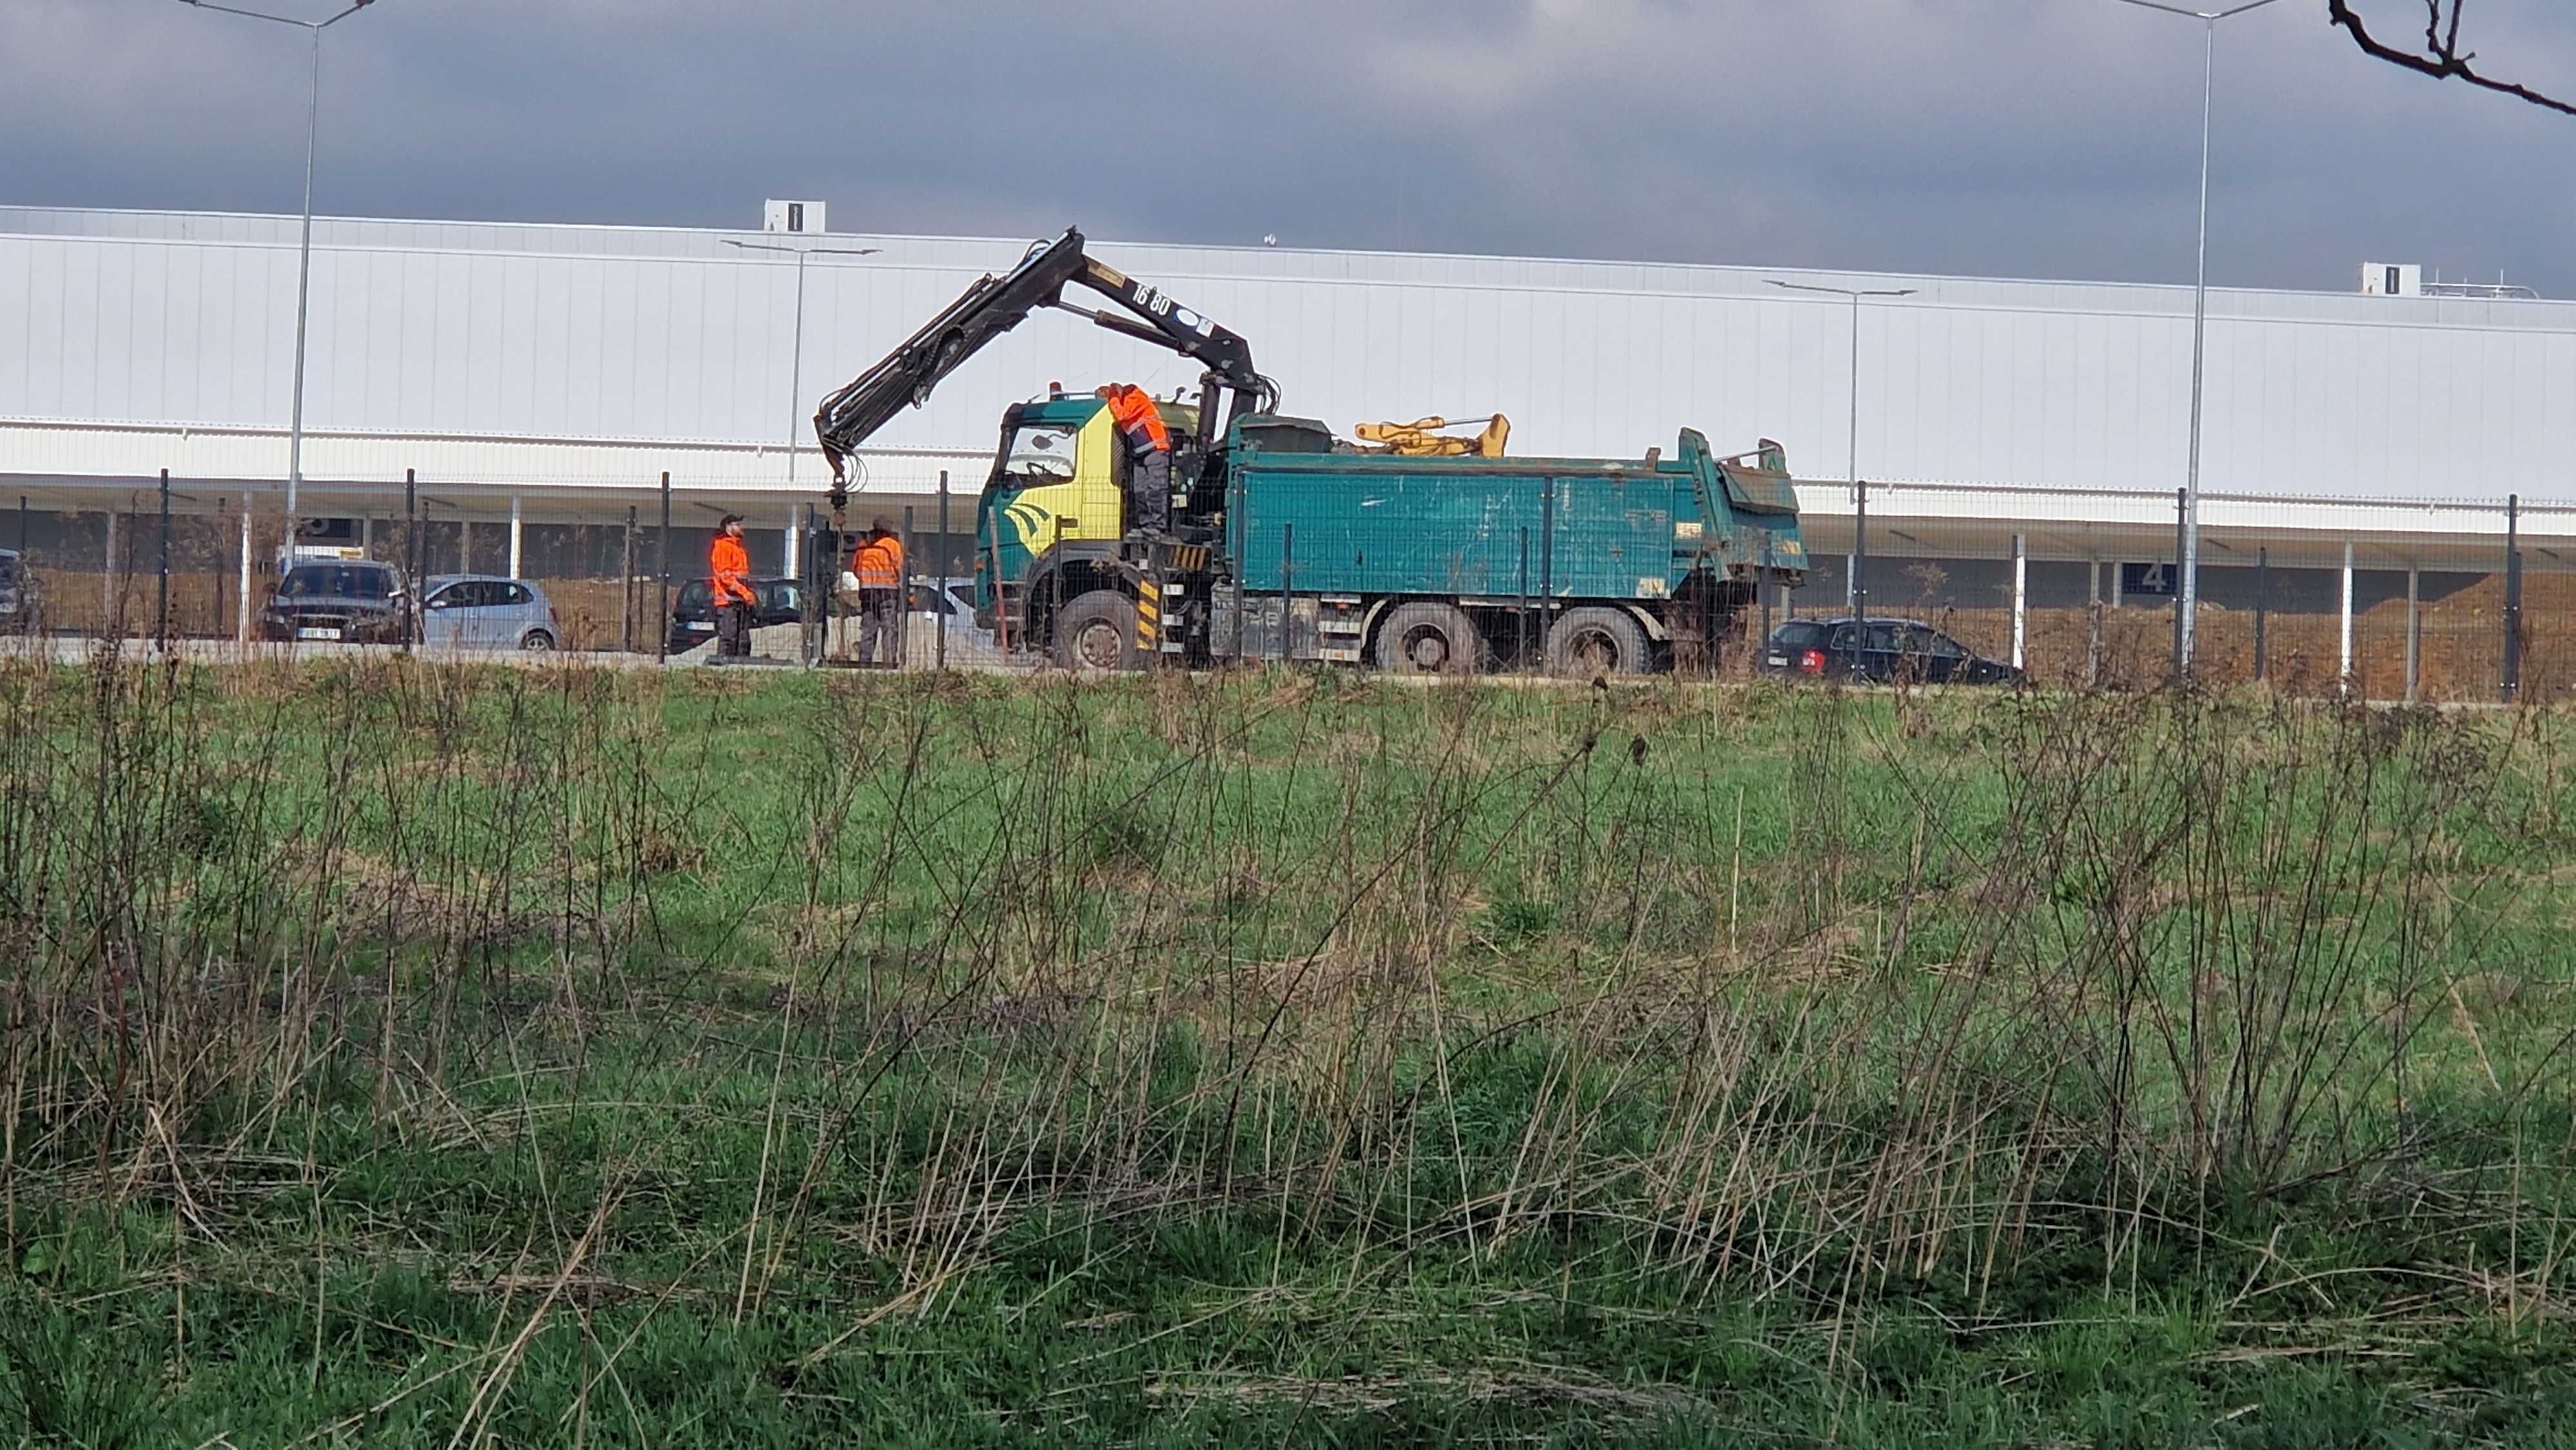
694,595
1798,634
336,581
8,568
1042,451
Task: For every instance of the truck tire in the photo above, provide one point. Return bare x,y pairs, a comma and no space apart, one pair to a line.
1429,639
1096,634
1591,642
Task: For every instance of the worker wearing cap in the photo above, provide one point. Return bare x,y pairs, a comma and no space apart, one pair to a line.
1149,455
729,581
879,567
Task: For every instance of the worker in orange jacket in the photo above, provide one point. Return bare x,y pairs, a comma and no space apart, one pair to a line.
1149,455
729,579
879,567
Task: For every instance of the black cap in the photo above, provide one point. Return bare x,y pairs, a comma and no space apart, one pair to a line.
728,519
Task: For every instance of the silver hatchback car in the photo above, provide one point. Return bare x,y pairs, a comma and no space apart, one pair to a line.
481,611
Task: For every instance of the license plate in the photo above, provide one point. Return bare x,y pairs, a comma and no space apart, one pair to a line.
703,626
313,632
1779,659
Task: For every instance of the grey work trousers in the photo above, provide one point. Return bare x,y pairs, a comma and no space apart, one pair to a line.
1149,475
880,626
733,631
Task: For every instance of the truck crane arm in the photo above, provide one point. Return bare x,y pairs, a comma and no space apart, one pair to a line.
852,413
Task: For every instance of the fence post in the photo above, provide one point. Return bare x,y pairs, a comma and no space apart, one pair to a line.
515,554
1766,588
2512,596
626,587
411,554
1546,563
2262,612
2020,599
903,621
2182,526
662,620
2414,635
2344,676
939,641
22,526
161,591
241,615
107,574
1520,609
1287,587
1055,582
1001,601
2093,621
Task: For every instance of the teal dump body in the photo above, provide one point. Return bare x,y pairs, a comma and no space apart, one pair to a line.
1568,528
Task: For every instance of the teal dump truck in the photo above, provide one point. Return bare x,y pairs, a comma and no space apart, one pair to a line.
1286,542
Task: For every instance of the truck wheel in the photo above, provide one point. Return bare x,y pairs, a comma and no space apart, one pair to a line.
1096,634
1591,642
1429,639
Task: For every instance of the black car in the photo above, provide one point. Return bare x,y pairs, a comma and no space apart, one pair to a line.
1881,651
339,601
693,609
18,595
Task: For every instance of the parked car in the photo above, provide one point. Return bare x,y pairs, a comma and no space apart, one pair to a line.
1881,651
954,599
480,611
347,601
18,593
693,610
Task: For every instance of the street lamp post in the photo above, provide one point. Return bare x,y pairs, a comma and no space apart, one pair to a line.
1860,490
814,642
2187,589
796,360
304,255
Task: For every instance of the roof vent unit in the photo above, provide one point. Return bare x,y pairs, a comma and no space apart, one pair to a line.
2391,279
792,216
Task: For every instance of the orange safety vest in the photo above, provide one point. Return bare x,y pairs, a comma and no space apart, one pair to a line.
879,563
730,564
1134,409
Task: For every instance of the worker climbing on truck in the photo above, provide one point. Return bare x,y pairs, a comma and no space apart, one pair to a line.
1149,455
879,567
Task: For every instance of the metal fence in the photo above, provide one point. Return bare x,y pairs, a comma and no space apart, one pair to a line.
2437,602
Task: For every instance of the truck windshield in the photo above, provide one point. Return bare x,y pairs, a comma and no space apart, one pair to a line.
1038,452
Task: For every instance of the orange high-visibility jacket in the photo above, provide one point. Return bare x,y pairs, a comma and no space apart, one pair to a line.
1134,410
729,567
879,563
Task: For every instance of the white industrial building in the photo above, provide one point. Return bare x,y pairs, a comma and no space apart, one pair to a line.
555,372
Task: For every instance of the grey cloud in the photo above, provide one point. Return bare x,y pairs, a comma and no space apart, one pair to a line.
2033,137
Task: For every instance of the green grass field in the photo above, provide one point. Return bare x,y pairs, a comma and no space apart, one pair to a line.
415,1056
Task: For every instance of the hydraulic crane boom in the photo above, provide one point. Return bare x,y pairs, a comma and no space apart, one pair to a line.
854,412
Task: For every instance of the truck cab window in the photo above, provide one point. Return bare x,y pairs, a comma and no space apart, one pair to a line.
1040,453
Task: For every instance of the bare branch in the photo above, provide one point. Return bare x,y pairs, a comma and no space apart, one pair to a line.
2442,57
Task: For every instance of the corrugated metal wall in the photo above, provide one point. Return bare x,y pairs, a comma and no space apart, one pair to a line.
632,333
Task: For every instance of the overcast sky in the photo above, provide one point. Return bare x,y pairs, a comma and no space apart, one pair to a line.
2053,138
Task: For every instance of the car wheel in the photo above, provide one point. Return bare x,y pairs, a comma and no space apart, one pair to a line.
536,641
